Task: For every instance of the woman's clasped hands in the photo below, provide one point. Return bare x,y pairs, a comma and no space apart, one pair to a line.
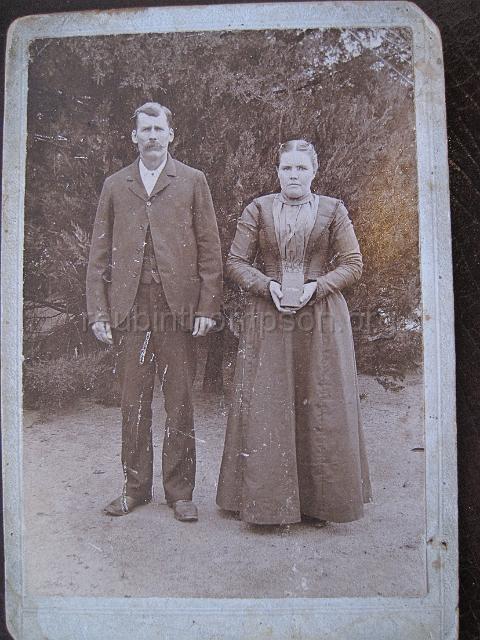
309,289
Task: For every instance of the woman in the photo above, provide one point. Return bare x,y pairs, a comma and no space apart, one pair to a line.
294,443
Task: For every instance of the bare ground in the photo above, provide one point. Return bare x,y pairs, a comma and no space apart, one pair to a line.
72,469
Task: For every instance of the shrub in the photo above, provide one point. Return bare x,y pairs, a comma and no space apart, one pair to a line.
56,383
390,357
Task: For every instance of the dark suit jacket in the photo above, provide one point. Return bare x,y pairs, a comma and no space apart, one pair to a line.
185,238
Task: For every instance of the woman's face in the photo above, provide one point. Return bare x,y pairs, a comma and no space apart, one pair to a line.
295,172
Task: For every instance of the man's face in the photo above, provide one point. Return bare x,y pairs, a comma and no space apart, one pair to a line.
152,135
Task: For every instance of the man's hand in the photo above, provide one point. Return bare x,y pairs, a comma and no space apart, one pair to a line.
277,295
308,291
202,326
102,332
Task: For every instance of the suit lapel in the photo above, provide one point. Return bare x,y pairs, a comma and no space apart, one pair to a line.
164,179
134,181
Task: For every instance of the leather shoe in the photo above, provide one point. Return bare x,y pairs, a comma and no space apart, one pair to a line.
184,510
123,505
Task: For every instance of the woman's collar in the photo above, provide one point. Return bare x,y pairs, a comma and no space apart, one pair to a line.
295,201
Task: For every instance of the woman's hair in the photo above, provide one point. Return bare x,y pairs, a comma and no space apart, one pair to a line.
299,145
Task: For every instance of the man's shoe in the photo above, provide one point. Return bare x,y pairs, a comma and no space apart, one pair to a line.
184,510
123,505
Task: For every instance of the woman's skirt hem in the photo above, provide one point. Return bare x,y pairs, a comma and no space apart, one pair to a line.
276,519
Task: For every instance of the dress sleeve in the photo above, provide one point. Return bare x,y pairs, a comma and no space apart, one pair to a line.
346,254
242,254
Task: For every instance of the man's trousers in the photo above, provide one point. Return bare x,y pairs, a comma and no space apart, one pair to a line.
151,341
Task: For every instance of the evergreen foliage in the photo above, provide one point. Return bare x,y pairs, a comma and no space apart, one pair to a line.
235,96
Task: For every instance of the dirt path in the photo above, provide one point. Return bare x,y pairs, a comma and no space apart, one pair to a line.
72,469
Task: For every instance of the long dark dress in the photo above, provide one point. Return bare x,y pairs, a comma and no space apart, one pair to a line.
294,442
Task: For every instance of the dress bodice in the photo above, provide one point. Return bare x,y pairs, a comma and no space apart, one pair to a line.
255,255
294,221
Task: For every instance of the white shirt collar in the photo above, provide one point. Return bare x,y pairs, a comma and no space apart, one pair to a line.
149,177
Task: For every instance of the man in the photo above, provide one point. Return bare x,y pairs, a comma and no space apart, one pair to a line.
154,277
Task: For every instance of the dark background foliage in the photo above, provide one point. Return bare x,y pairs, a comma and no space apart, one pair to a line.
459,22
235,96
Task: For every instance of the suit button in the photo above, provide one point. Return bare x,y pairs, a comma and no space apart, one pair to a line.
142,227
149,204
134,275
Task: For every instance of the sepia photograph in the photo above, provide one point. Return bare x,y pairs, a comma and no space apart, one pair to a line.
225,318
259,171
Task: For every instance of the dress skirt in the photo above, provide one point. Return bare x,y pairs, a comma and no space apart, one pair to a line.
294,443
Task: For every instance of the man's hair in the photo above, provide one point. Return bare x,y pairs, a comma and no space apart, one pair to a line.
299,145
154,109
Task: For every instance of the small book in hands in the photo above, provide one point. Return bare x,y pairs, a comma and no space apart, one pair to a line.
292,289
